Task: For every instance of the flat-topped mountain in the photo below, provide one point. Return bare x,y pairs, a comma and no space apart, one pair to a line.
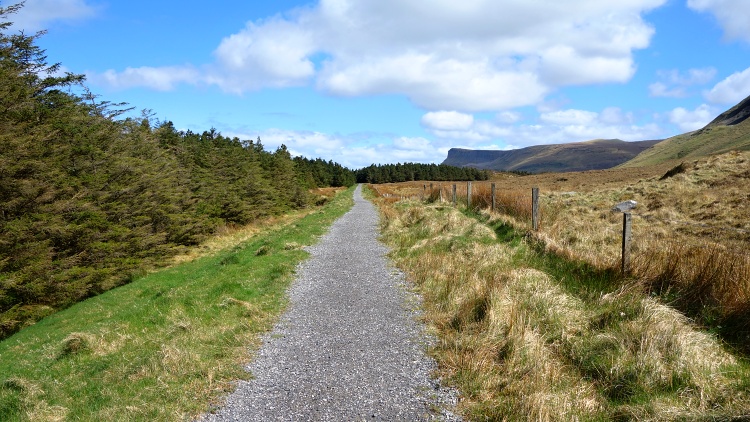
578,156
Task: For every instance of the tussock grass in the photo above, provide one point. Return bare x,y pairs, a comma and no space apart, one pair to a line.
528,334
685,247
167,346
691,234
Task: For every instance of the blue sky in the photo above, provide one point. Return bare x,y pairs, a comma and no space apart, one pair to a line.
385,81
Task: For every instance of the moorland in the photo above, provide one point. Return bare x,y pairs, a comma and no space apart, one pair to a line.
543,323
139,261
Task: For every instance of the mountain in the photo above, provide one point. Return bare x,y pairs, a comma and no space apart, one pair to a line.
579,156
727,132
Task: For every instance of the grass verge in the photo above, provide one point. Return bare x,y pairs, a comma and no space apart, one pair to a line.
528,335
165,347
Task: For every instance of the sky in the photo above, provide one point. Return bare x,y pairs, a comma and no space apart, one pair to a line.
386,81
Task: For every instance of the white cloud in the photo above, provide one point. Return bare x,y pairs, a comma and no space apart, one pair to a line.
399,150
157,78
561,126
508,117
732,15
674,84
660,89
447,120
688,120
38,14
732,90
527,135
569,117
353,150
468,56
433,83
274,54
615,116
411,144
477,55
691,77
452,131
306,143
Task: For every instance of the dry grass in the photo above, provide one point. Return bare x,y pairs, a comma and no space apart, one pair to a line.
520,346
691,233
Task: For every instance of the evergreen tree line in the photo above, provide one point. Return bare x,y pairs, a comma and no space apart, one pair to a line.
408,172
89,198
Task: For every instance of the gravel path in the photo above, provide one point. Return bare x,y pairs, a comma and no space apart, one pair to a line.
349,347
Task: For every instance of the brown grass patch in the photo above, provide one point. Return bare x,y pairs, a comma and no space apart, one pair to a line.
691,234
519,346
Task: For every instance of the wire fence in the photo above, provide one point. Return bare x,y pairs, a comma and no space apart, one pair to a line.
705,277
536,211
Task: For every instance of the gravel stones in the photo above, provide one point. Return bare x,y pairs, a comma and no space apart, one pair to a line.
349,347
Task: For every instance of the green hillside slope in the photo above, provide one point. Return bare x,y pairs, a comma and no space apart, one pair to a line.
729,131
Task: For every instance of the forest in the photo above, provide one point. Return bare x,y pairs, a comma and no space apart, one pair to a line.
90,198
409,172
92,195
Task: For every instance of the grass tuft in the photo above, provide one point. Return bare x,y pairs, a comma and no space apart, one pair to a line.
530,332
75,343
263,250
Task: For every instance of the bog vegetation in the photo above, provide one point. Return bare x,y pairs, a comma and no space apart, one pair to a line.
543,325
90,198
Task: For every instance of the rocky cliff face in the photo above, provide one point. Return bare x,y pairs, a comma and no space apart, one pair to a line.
734,115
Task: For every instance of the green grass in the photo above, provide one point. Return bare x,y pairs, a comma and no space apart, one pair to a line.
709,141
165,347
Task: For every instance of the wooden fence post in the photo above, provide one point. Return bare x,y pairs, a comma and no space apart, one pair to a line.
468,195
626,238
455,198
493,197
535,208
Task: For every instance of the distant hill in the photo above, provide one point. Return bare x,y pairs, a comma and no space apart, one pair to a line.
579,156
727,132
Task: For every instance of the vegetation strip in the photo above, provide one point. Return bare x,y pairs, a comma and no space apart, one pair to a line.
165,347
527,334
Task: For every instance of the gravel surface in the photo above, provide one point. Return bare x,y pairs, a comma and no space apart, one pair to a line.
349,347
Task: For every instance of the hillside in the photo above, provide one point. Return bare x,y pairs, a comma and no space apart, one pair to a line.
579,156
727,132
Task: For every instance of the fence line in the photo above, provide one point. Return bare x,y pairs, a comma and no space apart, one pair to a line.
494,205
626,238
